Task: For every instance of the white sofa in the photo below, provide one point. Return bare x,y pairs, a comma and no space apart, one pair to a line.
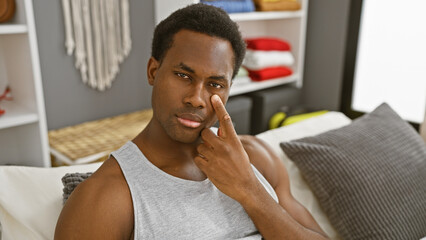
31,198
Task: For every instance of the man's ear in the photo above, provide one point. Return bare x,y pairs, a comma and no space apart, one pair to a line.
152,68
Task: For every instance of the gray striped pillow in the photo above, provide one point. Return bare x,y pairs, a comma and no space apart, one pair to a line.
369,176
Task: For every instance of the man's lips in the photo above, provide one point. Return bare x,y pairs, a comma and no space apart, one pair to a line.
189,120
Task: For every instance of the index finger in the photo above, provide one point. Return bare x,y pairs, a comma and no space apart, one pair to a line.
226,128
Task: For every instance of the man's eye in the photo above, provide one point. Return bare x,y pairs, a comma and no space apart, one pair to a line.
182,75
216,85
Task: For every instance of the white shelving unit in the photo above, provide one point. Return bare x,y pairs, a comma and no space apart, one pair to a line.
288,25
23,129
13,29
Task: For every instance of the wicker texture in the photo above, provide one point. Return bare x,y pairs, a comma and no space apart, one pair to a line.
104,135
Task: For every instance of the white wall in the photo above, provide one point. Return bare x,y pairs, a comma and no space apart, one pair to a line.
68,101
390,65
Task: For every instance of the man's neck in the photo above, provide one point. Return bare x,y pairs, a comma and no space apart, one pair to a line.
163,151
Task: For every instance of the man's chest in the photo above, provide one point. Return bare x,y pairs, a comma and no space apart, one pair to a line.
191,214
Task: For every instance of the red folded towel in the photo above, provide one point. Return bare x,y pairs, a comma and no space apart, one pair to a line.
268,44
269,73
2,111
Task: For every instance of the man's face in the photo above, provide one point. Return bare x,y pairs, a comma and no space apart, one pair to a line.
196,67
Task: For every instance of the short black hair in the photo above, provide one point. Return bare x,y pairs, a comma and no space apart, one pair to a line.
201,18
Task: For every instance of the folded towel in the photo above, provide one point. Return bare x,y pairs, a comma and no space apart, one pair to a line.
232,6
257,60
283,5
241,80
269,73
270,0
268,44
242,72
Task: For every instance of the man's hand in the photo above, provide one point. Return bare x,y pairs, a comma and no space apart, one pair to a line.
223,159
227,164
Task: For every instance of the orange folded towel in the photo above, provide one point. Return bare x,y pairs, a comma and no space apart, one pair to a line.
283,5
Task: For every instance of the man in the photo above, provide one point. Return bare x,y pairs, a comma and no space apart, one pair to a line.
177,179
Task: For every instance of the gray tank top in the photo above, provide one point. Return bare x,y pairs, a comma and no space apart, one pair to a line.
167,207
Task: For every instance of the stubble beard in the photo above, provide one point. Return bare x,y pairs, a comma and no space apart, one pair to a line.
178,134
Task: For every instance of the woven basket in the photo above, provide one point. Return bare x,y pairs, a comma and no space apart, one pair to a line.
94,141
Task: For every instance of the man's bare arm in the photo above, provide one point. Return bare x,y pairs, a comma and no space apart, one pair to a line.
98,208
226,163
263,157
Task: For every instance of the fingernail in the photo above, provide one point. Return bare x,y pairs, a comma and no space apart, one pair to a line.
216,98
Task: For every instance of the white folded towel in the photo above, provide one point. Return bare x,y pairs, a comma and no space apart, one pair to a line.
256,59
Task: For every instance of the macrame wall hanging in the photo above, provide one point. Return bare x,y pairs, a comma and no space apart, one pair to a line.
98,33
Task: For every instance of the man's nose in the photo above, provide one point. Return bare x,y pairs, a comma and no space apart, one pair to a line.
196,96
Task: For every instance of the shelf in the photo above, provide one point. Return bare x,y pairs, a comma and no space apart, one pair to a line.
16,115
13,28
254,16
245,87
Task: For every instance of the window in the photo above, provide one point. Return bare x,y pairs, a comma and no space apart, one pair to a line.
389,60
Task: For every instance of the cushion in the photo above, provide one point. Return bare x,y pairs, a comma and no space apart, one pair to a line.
31,199
71,181
298,186
369,176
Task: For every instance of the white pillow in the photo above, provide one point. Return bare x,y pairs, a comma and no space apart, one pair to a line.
299,188
31,199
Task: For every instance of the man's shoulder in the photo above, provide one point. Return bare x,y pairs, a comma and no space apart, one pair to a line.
262,156
104,199
107,183
259,150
